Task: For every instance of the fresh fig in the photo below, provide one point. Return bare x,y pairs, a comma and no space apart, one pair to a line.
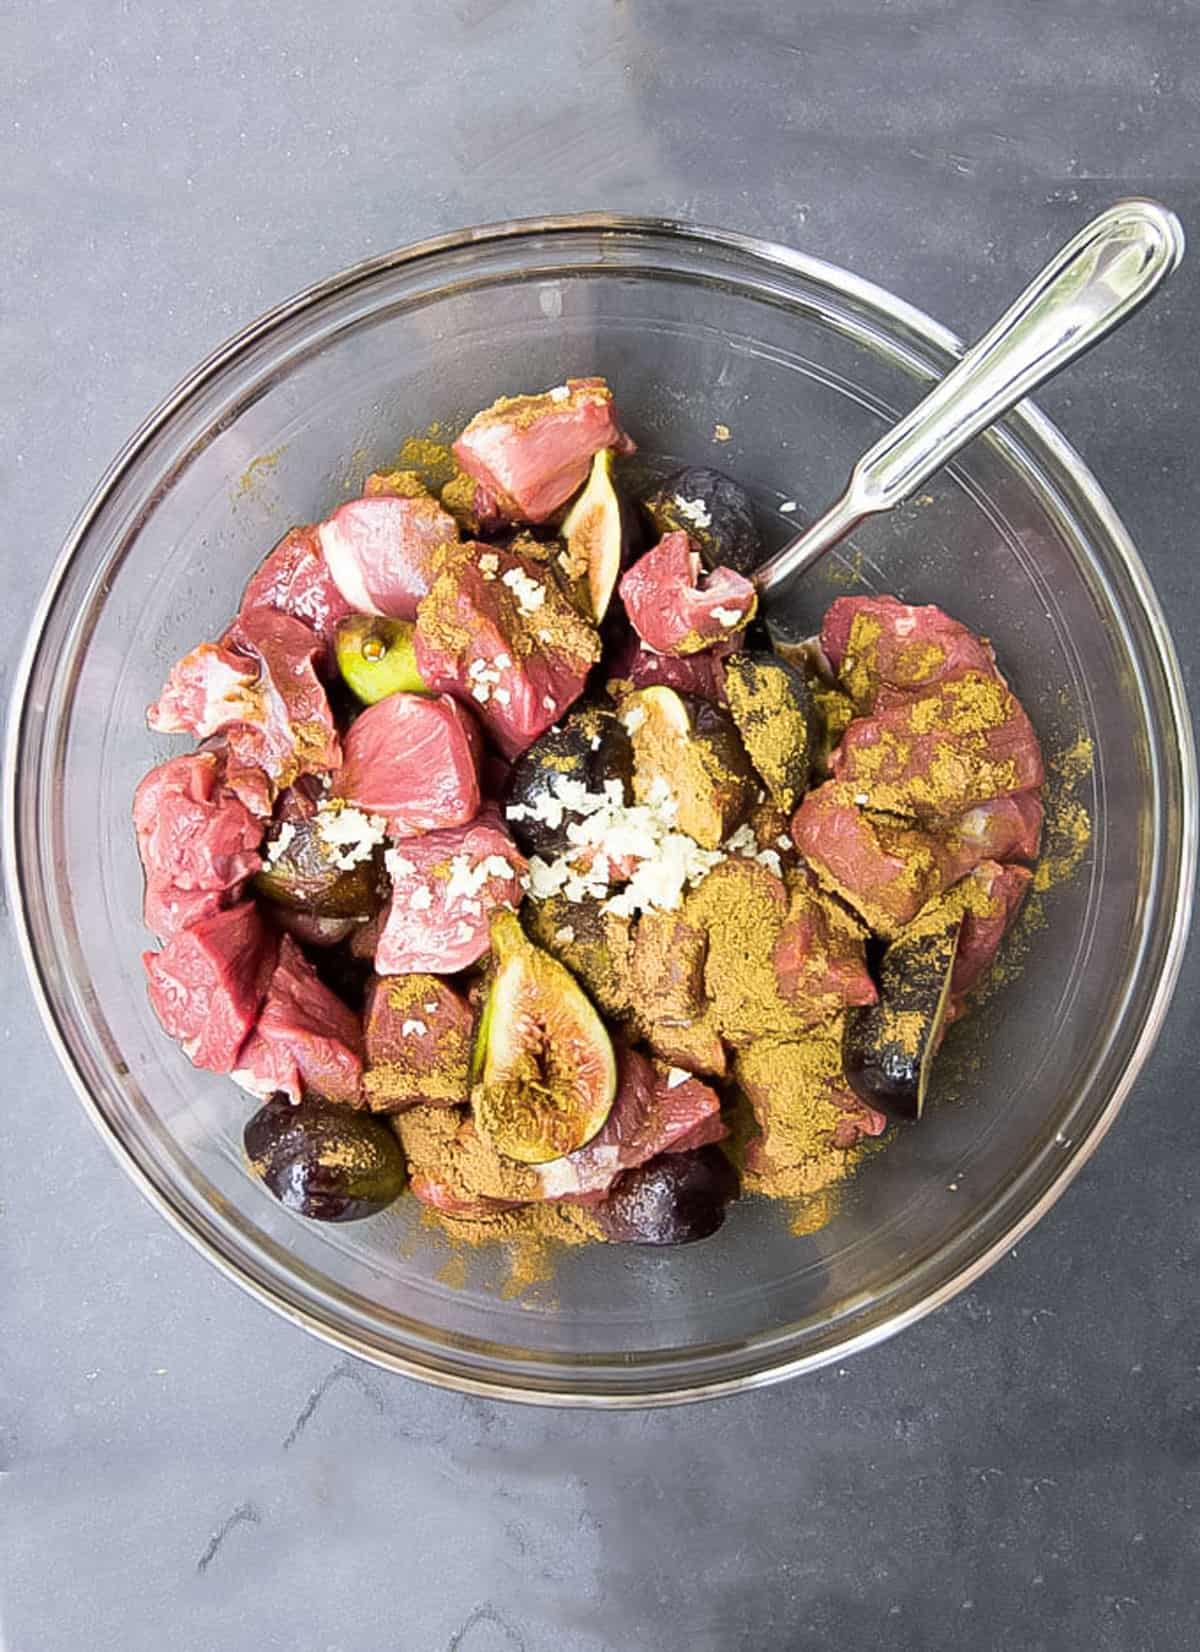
595,538
303,871
773,709
888,1047
375,657
593,943
547,1072
324,1162
714,512
588,749
691,748
674,1200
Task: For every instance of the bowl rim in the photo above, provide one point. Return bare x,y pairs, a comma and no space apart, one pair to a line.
1026,417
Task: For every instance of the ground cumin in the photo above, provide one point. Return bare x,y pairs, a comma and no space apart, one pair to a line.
443,1144
859,670
958,716
433,459
446,1081
788,1084
741,907
1067,829
773,728
396,484
528,1240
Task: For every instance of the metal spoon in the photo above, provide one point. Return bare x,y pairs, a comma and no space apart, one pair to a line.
1097,280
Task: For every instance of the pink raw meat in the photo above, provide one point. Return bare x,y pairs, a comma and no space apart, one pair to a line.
533,452
819,960
418,1032
294,733
295,580
655,1111
897,646
981,934
259,686
885,869
858,1120
499,633
305,1041
383,551
963,741
198,843
207,983
700,674
676,609
1004,828
445,886
413,759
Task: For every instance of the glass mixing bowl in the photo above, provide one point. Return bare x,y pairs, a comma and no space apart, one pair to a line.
700,332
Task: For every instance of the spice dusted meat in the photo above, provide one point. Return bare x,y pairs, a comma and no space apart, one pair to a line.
533,452
384,551
1004,828
454,1169
992,897
961,742
198,842
472,505
741,907
295,579
207,983
418,1036
497,631
657,1110
806,1113
878,643
306,1041
295,733
591,941
885,868
445,886
819,955
675,609
413,760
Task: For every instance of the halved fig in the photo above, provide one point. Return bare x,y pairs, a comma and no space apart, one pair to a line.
307,873
322,1162
548,1074
590,748
594,538
691,748
714,511
770,702
375,657
889,1047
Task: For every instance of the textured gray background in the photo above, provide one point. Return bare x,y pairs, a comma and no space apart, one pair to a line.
184,1470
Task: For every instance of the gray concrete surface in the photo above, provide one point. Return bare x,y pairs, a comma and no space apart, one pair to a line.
182,1469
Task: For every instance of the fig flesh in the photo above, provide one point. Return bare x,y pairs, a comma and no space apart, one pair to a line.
595,539
547,1072
691,748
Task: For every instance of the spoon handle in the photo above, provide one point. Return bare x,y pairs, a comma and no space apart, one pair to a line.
1097,280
